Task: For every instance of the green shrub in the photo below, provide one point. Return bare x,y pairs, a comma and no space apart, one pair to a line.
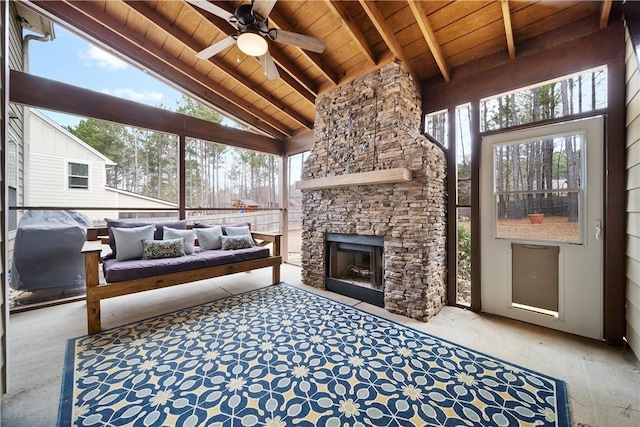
464,252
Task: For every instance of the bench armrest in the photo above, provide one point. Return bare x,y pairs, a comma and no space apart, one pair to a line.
91,246
262,235
268,238
98,233
91,249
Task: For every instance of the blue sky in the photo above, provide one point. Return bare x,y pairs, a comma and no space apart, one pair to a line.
71,59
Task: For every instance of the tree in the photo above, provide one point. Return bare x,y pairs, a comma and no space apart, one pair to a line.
110,140
253,176
572,167
206,158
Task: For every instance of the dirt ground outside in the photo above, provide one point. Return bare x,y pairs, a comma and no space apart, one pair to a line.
553,228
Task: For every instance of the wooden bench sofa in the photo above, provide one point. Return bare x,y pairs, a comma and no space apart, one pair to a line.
97,291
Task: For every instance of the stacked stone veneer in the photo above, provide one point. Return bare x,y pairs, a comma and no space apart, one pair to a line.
374,124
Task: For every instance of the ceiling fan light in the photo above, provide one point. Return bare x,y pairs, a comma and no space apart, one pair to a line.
252,44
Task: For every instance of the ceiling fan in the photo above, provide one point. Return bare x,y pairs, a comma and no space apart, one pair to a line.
252,23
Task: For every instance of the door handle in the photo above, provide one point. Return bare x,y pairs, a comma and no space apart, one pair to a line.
597,229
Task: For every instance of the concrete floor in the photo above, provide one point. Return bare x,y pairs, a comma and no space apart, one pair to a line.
603,382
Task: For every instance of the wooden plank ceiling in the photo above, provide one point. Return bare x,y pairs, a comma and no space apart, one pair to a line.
432,38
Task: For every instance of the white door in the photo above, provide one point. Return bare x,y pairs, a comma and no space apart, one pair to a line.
556,170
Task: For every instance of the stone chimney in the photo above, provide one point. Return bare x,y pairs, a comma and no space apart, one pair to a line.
373,124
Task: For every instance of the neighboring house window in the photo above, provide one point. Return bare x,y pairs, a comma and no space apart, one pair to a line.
78,175
12,183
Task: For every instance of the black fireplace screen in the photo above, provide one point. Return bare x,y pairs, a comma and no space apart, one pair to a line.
355,266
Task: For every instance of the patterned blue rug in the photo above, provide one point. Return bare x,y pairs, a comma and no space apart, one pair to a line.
281,356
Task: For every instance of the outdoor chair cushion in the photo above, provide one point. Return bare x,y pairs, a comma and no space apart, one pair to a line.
118,271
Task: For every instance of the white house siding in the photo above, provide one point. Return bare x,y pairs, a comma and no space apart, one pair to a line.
51,149
47,137
12,58
48,183
15,124
633,201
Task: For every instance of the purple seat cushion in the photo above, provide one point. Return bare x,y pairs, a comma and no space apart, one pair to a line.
118,223
118,271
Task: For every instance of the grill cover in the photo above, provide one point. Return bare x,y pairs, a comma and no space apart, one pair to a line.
47,248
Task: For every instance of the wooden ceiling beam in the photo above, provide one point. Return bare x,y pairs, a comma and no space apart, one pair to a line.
33,91
146,11
427,32
388,36
279,21
357,35
118,38
508,29
292,75
604,14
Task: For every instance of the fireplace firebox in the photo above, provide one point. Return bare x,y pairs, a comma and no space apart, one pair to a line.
355,266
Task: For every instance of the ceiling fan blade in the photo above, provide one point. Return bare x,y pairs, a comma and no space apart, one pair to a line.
211,8
305,42
270,68
216,47
263,7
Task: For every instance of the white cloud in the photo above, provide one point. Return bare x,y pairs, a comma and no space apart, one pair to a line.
95,56
145,97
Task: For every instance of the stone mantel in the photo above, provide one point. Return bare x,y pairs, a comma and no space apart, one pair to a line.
384,176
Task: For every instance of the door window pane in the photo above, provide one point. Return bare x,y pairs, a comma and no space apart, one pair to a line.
552,224
538,188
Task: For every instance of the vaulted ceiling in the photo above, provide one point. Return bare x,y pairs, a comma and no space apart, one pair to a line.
432,38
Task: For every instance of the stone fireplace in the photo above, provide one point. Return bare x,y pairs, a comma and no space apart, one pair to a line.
373,125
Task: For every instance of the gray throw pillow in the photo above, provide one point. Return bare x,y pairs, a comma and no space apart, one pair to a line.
154,249
188,236
129,241
236,242
240,231
118,223
209,238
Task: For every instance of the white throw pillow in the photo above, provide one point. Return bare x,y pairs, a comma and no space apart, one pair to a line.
240,231
129,241
210,237
189,237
